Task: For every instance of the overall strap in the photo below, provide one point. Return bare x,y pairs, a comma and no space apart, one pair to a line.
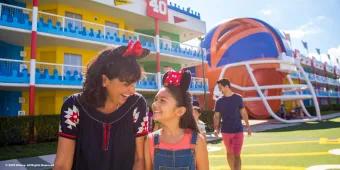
193,140
156,140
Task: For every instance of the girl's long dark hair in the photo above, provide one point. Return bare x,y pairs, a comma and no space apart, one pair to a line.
111,63
183,98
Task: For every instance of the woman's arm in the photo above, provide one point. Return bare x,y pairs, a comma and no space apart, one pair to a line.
139,154
202,162
147,156
65,153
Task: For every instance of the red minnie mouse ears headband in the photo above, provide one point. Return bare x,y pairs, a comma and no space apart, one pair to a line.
179,79
135,49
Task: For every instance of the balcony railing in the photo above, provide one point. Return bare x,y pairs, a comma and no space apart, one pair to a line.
17,17
187,11
59,74
176,48
17,71
319,93
14,71
317,64
14,16
317,78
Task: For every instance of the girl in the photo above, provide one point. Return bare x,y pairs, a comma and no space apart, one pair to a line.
177,145
103,127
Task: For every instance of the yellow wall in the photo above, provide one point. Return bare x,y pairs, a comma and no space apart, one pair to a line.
91,16
44,54
87,55
87,15
289,105
47,101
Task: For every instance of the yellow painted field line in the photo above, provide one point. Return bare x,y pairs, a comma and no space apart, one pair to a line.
276,154
321,141
261,167
329,141
282,143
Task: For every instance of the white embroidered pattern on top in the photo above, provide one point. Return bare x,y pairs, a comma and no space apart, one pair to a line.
144,126
72,117
135,115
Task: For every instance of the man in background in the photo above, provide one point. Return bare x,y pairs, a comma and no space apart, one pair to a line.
230,109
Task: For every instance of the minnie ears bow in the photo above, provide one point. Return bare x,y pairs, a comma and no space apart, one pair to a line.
173,78
135,49
179,79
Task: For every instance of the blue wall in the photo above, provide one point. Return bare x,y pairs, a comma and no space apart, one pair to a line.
9,100
9,103
10,51
14,2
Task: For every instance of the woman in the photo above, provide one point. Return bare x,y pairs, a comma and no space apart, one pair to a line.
103,127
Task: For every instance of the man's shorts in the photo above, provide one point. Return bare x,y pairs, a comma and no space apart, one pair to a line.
233,142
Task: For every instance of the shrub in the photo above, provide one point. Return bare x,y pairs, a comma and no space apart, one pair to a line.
46,127
16,130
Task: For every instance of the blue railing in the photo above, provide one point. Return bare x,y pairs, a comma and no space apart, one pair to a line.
16,71
187,11
179,49
317,78
13,71
18,17
318,93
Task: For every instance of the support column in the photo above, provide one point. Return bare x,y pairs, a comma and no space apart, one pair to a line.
316,83
327,83
158,59
336,86
204,82
33,57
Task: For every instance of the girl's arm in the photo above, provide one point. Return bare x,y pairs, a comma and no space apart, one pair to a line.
202,162
139,155
65,152
147,156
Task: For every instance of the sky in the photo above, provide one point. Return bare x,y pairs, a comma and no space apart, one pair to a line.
316,22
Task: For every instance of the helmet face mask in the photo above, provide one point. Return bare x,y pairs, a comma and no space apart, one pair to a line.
257,59
262,97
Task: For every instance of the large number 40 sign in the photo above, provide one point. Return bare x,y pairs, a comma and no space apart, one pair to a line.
157,9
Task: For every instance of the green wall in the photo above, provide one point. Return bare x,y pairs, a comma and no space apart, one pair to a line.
150,66
172,36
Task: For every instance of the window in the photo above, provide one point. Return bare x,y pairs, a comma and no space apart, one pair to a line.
73,60
71,22
111,29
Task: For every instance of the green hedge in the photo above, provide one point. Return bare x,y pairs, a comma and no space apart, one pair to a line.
16,130
311,109
46,127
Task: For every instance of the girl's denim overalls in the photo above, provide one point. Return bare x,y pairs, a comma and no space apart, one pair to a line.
183,159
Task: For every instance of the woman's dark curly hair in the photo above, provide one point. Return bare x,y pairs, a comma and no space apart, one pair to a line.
112,64
183,98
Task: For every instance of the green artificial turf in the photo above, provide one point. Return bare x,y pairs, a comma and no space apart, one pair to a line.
297,147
